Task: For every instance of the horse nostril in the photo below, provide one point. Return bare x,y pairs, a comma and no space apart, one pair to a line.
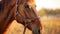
39,31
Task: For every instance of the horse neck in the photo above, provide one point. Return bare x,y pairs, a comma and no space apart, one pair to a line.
7,9
6,17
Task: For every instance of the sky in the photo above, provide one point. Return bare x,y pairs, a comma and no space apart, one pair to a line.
47,4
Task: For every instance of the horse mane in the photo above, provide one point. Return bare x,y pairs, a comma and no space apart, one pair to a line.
3,3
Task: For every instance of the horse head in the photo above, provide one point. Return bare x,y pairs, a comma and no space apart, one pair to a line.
26,15
23,11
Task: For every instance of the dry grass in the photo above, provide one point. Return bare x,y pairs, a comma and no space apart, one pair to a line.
17,28
51,25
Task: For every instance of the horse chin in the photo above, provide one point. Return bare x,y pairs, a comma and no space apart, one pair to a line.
38,30
34,29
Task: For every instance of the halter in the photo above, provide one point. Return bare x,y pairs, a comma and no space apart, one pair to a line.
27,21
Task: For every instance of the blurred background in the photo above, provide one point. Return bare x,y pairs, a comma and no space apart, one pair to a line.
49,12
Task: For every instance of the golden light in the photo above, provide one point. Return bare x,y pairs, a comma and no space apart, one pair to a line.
47,4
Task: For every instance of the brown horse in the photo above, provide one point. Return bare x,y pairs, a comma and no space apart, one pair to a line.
23,12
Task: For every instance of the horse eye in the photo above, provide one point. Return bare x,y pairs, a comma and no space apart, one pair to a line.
26,6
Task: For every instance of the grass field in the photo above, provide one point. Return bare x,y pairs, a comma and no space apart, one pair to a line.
51,25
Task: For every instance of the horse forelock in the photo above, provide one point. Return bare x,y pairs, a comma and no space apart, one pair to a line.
31,2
